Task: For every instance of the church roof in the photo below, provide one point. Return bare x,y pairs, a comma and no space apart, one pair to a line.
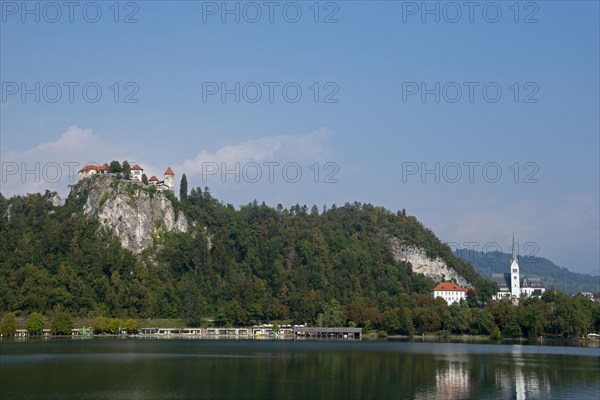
137,168
169,171
531,282
503,280
448,287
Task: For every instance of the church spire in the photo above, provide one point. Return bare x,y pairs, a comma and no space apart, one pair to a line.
514,255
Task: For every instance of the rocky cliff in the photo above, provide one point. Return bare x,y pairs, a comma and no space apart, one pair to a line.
437,269
132,211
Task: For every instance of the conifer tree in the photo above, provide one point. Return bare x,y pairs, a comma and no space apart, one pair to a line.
183,188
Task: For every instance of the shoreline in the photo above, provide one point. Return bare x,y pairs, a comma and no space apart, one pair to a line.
458,339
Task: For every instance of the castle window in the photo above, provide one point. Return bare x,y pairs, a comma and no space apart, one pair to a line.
514,270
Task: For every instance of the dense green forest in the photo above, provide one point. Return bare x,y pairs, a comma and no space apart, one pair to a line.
242,266
253,264
552,275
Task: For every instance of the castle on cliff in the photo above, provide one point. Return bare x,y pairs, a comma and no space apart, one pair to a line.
136,174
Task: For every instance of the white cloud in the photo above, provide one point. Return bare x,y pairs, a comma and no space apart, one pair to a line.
258,169
297,148
74,141
53,165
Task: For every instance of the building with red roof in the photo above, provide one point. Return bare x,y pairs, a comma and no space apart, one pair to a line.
136,173
90,170
450,292
169,181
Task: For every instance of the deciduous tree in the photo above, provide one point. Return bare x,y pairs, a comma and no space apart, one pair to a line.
9,324
35,324
61,324
115,166
132,326
458,318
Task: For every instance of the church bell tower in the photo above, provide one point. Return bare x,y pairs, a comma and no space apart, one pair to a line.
515,278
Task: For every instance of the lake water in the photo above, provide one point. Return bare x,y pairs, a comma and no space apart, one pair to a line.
239,369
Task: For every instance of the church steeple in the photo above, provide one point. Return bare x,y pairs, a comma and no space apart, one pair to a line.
515,276
514,255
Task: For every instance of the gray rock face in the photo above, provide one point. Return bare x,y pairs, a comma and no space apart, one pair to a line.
437,269
130,210
56,200
8,214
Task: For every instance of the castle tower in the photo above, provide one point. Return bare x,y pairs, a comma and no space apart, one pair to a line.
170,179
137,172
515,277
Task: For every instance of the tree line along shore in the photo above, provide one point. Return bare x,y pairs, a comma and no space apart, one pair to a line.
324,267
554,314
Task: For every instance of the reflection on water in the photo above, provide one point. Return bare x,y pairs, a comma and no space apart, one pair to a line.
452,381
176,369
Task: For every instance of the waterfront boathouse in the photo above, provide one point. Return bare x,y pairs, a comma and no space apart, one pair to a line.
327,333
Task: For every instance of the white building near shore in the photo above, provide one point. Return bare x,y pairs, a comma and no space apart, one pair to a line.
450,292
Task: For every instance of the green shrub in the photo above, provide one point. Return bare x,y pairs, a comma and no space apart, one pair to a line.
103,199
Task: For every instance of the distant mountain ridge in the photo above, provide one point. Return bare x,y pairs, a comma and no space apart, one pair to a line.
552,275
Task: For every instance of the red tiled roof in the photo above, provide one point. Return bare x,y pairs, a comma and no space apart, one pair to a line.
103,167
153,178
448,286
90,168
137,168
169,171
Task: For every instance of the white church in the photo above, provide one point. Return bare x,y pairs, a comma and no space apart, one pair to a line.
513,283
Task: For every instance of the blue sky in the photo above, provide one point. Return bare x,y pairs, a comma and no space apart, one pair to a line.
370,140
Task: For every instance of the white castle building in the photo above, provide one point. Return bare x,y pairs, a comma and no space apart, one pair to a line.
91,170
136,173
513,284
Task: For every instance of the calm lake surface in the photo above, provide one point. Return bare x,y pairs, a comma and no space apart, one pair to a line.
239,369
